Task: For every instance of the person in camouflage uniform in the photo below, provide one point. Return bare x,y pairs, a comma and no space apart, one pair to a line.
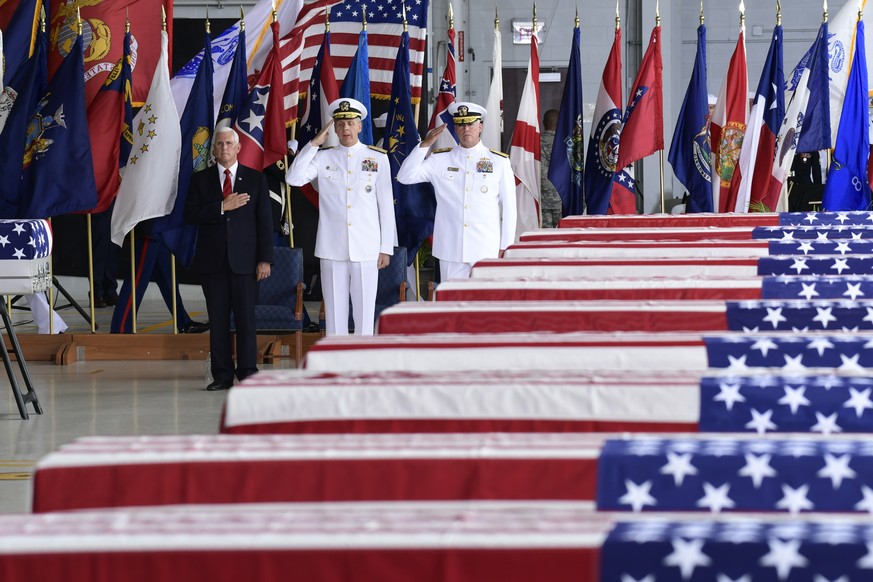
550,200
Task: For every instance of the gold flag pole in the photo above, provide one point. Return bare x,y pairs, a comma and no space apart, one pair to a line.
661,151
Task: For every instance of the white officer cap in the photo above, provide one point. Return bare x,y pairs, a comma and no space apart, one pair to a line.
711,99
464,113
347,108
381,120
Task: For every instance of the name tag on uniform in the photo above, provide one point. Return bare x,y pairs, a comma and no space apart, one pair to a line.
369,165
485,166
453,169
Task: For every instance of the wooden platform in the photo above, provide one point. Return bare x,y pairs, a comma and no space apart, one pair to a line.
69,348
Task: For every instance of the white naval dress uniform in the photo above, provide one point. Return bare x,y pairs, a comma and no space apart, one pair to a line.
476,208
355,224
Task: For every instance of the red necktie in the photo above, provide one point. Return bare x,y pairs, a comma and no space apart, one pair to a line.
227,189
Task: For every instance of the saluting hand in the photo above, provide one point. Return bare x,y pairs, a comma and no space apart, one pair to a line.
432,136
321,137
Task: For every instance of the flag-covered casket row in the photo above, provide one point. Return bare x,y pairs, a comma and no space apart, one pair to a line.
25,247
526,431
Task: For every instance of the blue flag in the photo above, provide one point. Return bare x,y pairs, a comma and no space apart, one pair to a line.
196,124
414,205
310,121
20,38
690,153
28,85
58,173
815,134
357,85
565,166
236,92
847,187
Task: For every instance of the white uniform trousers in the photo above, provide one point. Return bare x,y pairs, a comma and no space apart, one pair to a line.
39,308
452,270
339,279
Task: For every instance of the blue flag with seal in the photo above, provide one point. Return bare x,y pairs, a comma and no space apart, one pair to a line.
690,153
58,173
357,85
565,166
19,101
815,133
847,187
414,205
236,92
20,38
196,122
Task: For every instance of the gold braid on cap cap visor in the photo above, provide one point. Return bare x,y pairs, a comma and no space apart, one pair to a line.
346,115
466,119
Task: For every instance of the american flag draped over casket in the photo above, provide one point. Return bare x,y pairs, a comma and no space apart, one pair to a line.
25,248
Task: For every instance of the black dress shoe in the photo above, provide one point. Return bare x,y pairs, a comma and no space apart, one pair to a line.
111,299
195,327
219,385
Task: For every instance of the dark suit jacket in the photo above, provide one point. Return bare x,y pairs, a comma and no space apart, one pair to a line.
244,235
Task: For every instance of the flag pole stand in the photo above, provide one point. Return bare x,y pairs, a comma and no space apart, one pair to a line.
661,157
90,274
173,287
133,282
286,189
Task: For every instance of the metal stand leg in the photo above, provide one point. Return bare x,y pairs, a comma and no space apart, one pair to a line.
30,396
72,302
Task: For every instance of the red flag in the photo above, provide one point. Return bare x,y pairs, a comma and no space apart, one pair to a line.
261,123
728,127
108,126
643,132
445,97
104,24
524,149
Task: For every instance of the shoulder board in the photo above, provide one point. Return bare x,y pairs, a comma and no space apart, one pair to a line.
325,148
499,153
375,149
441,151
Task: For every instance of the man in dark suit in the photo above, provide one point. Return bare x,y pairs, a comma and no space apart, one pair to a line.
230,204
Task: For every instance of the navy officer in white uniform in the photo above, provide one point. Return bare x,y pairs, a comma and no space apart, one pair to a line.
475,193
356,231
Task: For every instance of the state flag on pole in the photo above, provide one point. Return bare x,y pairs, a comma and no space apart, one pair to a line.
847,187
148,187
414,204
446,97
261,122
600,162
815,132
110,116
257,46
786,140
492,127
643,131
322,92
58,174
196,124
21,38
565,165
727,127
17,105
524,149
357,85
690,154
755,166
236,91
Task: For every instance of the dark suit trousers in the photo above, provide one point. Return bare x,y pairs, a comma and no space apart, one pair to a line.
226,291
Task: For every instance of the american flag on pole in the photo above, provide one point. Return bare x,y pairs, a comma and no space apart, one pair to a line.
384,27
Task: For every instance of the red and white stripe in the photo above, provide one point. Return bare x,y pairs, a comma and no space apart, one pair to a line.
672,220
618,249
524,149
617,267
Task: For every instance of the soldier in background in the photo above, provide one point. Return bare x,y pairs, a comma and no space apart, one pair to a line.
550,201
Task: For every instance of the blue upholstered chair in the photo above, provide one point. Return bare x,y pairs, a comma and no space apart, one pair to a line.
279,308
